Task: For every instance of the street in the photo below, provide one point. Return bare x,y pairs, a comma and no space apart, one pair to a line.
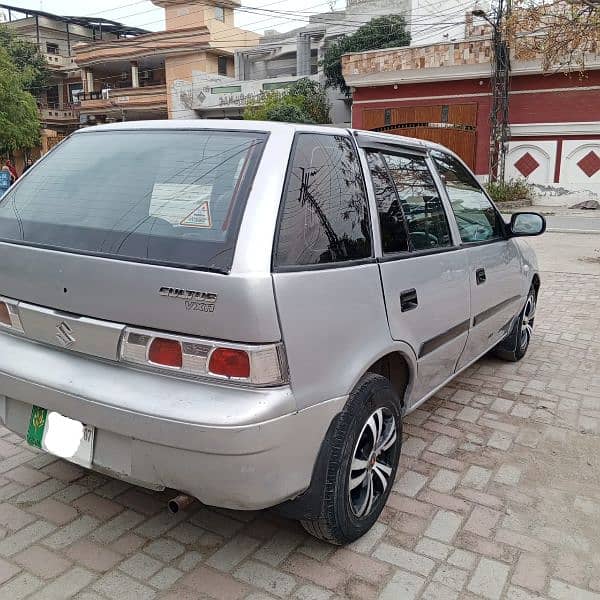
578,223
497,496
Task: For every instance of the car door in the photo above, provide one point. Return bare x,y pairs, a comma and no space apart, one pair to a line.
424,274
495,270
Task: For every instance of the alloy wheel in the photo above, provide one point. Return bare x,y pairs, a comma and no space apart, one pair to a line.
527,322
372,461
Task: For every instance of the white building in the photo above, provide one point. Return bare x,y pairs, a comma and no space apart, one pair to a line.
281,58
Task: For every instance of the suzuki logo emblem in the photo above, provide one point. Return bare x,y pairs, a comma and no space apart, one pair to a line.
64,334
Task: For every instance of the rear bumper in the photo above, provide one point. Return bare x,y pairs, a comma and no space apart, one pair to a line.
229,447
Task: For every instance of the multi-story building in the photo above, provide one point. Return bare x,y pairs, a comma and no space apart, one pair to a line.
442,92
281,58
142,77
56,37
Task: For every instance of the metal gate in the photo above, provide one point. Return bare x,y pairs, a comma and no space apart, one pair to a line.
453,125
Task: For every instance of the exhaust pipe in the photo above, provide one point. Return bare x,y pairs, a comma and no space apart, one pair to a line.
181,502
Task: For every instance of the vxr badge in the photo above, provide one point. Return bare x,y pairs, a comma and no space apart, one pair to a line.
64,335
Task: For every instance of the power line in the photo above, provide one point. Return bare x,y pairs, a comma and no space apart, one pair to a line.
227,43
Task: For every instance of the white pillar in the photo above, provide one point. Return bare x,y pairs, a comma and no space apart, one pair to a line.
135,74
90,81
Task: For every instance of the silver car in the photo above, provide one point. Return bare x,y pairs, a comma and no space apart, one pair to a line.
243,311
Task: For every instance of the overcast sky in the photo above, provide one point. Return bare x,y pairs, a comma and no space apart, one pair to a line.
143,13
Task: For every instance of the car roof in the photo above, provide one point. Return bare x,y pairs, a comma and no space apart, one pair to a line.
261,126
228,124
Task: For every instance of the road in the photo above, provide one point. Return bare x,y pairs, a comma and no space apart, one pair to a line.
591,223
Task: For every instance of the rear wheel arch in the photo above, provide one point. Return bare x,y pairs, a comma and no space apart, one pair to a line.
397,368
536,282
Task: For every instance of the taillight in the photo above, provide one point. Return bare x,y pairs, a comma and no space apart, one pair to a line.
256,365
9,315
230,363
4,315
166,352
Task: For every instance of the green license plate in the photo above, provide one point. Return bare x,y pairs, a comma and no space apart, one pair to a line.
37,423
61,436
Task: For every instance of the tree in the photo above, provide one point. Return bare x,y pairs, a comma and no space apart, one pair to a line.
27,59
381,32
562,34
303,101
19,121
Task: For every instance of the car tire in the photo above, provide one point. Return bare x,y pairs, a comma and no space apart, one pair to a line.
516,344
362,463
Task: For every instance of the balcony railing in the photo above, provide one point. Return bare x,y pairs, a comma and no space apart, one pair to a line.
66,113
60,62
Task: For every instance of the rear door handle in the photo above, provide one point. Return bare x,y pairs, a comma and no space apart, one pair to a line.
408,300
480,276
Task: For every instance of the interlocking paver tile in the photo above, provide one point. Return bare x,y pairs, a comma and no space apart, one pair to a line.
118,585
93,556
42,562
54,511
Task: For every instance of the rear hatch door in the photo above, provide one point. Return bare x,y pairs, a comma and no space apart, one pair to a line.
136,227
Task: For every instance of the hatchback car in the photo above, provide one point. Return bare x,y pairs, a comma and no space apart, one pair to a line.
244,311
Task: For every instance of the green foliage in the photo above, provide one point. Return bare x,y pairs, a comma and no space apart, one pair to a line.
287,113
513,190
27,59
382,32
304,101
19,121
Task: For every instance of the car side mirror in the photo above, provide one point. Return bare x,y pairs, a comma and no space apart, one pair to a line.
527,224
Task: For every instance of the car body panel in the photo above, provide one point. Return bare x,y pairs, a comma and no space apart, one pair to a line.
227,444
129,292
315,308
438,337
495,301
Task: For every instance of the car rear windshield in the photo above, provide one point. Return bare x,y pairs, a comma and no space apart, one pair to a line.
166,197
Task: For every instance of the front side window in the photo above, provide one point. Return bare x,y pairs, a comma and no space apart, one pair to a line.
325,214
477,219
168,197
421,204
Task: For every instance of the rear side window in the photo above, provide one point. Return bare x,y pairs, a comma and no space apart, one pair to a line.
476,217
421,204
168,197
325,215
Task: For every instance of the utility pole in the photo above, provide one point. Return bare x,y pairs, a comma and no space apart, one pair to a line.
500,88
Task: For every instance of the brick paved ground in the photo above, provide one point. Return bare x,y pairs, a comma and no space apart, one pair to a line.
498,496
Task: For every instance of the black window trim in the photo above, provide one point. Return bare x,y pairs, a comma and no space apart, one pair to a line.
288,175
505,235
367,142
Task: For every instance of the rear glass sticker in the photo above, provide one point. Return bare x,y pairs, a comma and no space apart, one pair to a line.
177,202
200,217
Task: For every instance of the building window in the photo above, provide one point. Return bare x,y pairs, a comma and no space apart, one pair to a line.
226,89
222,65
220,14
276,86
52,48
74,90
52,96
